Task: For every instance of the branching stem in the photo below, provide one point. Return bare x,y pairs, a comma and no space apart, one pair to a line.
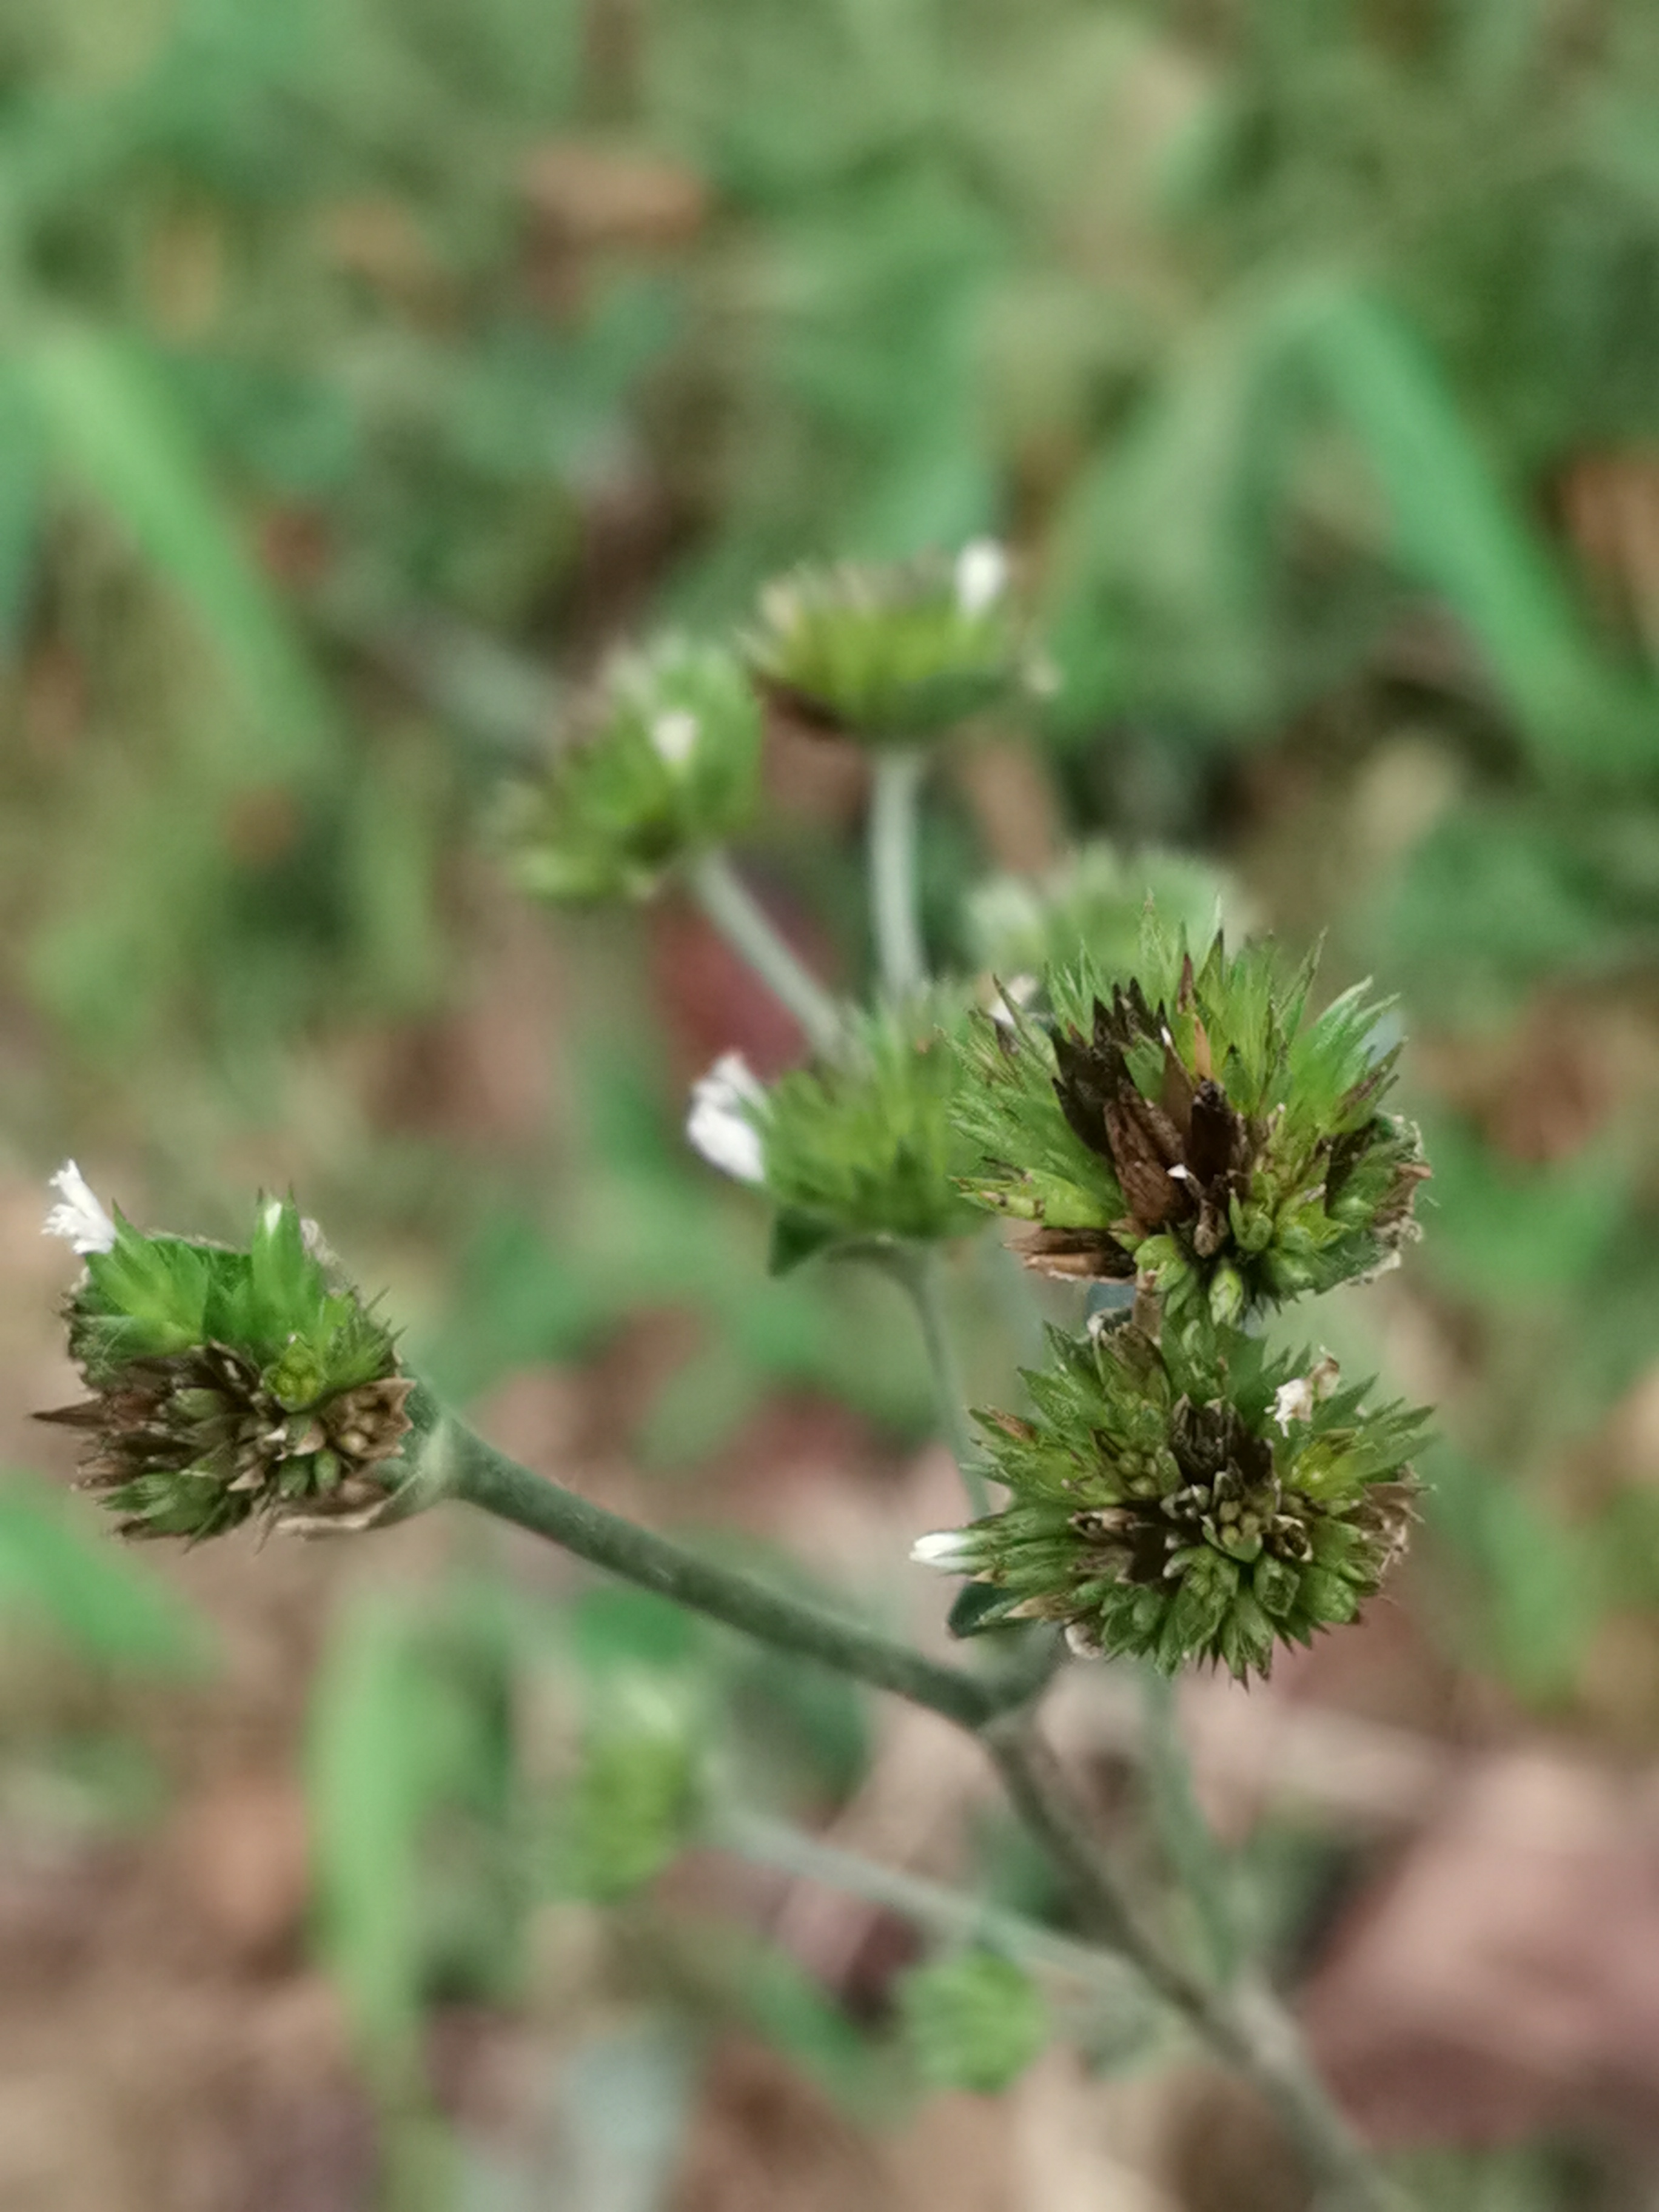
1245,2024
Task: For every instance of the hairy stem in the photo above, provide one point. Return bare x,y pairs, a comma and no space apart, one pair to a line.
744,925
893,871
1245,2025
1197,1861
919,1271
476,1472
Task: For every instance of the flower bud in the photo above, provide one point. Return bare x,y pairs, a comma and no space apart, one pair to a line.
863,1148
662,761
230,1385
894,654
1191,1128
974,2021
1159,1507
1093,904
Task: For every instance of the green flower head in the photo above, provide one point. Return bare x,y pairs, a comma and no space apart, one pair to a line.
1094,903
859,1149
890,655
1196,1500
228,1385
662,761
1190,1127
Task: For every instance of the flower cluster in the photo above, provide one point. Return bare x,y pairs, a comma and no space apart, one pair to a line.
1191,1129
226,1384
1188,1499
662,761
890,655
859,1149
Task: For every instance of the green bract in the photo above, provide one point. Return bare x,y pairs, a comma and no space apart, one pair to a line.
1092,906
864,1147
893,654
232,1383
1196,1500
664,762
1191,1128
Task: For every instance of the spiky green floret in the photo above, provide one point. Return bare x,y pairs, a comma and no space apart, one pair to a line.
863,1148
231,1383
1191,1127
885,654
662,763
1092,906
1195,1500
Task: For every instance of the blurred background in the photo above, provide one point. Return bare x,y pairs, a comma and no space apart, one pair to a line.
368,369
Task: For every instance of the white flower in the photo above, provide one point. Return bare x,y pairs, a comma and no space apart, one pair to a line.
953,1551
1295,1401
79,1219
1011,997
981,576
674,736
1081,1642
717,1125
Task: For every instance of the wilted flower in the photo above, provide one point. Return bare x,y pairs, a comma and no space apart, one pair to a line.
230,1384
722,1124
1158,1509
1186,1127
660,762
891,654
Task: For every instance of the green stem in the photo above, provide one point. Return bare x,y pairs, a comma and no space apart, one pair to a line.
919,1271
1247,2025
899,952
1197,1861
475,1471
744,925
948,1915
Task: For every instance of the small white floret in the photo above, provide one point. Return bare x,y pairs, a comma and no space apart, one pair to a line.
674,736
719,1127
1081,1642
1293,1402
950,1550
80,1220
981,576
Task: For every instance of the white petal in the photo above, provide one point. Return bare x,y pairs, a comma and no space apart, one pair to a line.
80,1220
953,1551
1294,1401
717,1125
981,576
1079,1641
674,736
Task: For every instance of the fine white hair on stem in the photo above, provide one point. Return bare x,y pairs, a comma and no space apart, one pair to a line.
981,576
718,1125
79,1218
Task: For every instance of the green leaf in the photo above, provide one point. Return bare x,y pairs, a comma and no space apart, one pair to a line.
115,425
797,1237
370,1790
104,1603
1456,530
